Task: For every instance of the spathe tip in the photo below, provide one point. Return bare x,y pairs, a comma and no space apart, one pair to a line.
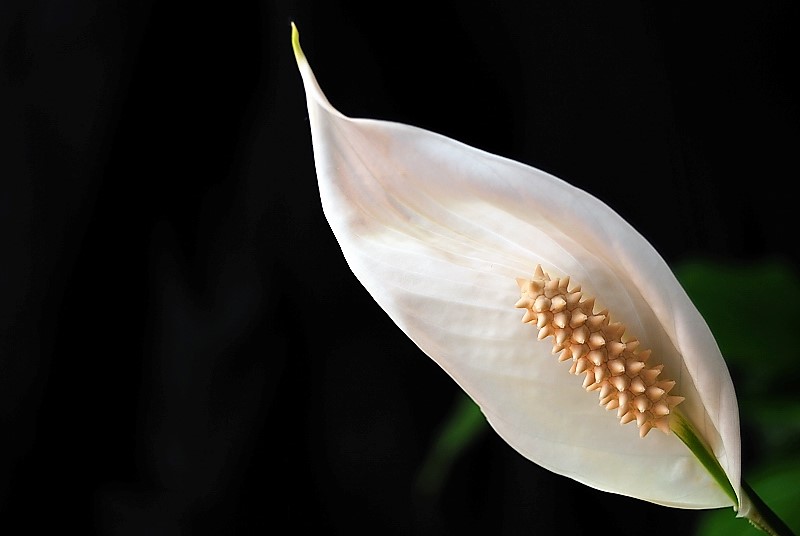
298,51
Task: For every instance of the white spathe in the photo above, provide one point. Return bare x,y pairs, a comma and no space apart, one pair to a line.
438,231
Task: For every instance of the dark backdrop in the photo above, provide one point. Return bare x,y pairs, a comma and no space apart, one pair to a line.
182,347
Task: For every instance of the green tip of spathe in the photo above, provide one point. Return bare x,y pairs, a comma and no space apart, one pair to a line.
298,52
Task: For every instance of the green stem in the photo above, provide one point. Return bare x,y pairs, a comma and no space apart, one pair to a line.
763,517
760,515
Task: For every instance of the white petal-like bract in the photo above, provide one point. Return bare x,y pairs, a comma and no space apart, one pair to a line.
438,232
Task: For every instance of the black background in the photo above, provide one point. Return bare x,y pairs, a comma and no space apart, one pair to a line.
182,347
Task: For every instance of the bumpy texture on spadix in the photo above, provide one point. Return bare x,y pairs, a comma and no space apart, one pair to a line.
438,231
612,363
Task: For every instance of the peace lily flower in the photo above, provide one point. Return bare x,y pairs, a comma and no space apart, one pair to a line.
530,292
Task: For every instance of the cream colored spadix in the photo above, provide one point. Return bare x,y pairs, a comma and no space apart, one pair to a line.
438,232
611,360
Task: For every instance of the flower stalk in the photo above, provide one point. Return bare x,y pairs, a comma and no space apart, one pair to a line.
760,515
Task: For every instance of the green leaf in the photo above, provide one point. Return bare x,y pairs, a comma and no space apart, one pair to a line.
733,299
461,428
777,420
